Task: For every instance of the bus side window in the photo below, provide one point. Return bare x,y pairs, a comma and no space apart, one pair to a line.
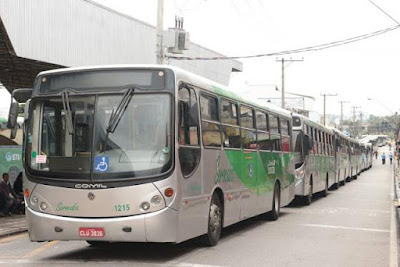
275,133
230,124
188,119
263,142
285,135
210,126
189,150
249,139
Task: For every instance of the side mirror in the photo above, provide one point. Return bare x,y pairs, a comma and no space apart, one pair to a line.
26,110
13,133
21,96
13,115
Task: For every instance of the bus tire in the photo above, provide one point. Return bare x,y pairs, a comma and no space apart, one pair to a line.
325,192
308,199
214,222
336,185
348,179
344,179
273,215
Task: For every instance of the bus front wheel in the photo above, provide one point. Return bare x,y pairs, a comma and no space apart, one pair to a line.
214,222
308,199
325,192
276,204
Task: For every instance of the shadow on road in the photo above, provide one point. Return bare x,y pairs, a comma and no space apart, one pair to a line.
154,252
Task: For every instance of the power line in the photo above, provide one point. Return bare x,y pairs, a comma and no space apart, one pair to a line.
300,50
384,12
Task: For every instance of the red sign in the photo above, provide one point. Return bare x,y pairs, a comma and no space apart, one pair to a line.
91,232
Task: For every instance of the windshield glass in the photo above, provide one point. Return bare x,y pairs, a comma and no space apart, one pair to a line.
55,146
297,140
140,145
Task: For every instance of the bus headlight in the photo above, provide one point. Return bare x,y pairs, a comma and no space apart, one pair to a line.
145,206
34,200
156,200
299,174
43,206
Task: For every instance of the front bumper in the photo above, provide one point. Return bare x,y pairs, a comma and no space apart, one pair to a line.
300,188
160,226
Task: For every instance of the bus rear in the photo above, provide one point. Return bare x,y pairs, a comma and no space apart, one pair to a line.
99,156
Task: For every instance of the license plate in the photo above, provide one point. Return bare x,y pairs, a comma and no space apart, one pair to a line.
91,232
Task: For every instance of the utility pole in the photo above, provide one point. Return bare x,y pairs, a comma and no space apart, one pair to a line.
325,95
341,112
282,60
160,20
354,120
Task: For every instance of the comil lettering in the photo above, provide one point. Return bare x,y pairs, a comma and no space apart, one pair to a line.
90,186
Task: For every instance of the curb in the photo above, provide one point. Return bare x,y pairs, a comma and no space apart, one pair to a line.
395,207
19,231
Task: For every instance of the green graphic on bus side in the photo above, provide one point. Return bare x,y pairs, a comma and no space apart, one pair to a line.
224,175
258,173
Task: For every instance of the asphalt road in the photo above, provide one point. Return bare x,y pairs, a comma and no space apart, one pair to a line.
353,226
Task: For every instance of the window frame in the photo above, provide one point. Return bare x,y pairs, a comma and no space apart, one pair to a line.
208,94
254,130
223,124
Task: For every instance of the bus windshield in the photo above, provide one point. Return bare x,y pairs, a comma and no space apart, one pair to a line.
138,147
297,140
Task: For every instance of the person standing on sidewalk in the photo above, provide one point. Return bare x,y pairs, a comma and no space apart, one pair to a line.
390,157
383,158
11,203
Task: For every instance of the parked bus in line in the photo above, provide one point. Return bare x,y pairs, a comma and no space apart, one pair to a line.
342,156
366,156
153,153
314,158
355,159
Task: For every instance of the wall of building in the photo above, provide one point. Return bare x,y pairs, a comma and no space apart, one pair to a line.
83,33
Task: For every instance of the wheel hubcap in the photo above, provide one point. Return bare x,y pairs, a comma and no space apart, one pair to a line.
215,218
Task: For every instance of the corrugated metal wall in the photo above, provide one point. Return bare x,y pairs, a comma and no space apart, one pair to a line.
81,33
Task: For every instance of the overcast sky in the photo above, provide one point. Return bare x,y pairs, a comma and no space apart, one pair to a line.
356,71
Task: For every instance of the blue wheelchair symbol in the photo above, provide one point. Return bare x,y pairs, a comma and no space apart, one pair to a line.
101,163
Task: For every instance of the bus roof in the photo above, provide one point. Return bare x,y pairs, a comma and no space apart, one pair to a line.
312,123
186,76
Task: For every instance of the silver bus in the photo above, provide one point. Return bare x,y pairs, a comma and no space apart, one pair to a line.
151,153
314,158
342,156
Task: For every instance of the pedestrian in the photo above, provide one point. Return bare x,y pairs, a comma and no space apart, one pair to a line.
376,154
390,157
383,158
11,201
17,186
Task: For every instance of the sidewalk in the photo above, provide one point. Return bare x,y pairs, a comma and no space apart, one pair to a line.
12,225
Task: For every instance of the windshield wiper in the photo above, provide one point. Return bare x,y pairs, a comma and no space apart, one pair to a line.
68,113
117,114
